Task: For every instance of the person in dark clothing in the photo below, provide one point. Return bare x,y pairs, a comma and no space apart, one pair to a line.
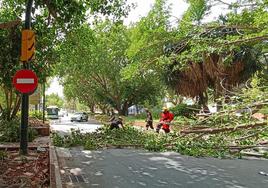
116,122
149,119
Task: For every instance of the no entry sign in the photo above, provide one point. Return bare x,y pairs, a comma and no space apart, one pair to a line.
25,81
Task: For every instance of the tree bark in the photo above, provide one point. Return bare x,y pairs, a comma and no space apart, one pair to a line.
125,109
16,106
92,108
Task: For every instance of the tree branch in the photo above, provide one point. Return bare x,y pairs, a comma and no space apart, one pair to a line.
241,5
17,106
219,130
259,38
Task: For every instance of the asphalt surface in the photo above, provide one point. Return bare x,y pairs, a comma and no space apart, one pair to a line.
127,168
64,125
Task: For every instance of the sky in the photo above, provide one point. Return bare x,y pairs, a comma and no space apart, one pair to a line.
178,7
55,87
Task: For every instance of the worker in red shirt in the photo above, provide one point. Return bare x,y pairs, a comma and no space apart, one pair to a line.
165,120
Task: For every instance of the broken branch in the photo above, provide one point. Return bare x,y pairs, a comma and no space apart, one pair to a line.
218,130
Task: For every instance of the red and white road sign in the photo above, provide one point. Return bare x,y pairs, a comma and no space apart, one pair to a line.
25,81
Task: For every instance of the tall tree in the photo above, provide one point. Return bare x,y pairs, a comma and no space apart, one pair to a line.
96,62
51,21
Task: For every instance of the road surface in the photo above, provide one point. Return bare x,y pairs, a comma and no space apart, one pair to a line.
129,168
64,125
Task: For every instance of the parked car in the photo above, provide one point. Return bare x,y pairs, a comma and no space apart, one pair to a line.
79,116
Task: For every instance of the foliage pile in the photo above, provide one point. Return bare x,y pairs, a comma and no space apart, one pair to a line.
217,145
238,125
102,138
225,133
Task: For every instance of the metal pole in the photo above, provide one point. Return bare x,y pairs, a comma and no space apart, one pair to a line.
25,97
44,100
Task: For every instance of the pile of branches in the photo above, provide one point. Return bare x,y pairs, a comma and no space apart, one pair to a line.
230,130
241,124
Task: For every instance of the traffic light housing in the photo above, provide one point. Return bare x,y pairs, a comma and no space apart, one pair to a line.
27,45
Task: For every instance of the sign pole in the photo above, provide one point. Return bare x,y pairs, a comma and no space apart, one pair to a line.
25,97
44,100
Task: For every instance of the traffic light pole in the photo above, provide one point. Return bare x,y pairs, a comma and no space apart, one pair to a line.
25,97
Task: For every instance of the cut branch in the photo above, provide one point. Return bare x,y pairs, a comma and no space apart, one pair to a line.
252,135
219,130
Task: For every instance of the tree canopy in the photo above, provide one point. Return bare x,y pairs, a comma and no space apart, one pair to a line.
94,59
51,21
104,63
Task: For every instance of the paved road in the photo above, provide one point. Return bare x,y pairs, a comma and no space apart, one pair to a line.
126,168
64,125
123,168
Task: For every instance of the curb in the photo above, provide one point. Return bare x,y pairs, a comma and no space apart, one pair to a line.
55,177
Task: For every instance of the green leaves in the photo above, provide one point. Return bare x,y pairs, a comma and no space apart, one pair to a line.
54,100
97,57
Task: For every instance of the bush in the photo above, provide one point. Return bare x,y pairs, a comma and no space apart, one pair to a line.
155,114
10,131
36,114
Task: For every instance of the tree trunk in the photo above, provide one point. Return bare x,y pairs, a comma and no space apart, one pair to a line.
203,101
137,109
216,96
92,108
12,102
123,110
16,107
103,109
